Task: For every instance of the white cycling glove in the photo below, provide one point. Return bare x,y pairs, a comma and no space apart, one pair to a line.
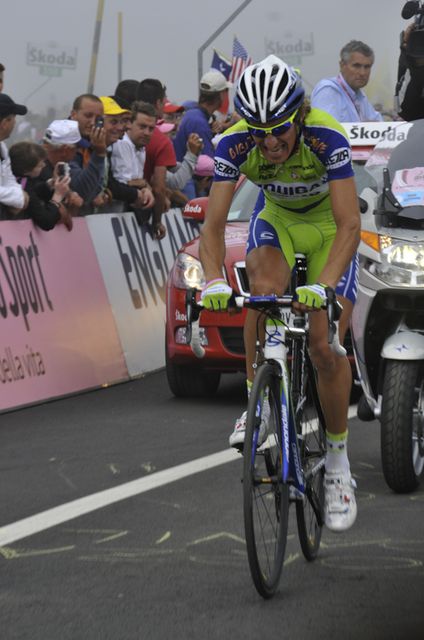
312,295
216,294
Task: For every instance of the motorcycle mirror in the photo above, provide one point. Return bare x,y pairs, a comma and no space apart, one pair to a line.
363,205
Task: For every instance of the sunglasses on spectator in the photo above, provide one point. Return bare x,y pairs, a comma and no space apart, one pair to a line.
278,130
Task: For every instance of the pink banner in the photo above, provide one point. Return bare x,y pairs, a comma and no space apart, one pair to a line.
58,335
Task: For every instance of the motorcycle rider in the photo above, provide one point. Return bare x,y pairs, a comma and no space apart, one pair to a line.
301,159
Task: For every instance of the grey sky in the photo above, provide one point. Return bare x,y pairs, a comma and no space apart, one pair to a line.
161,40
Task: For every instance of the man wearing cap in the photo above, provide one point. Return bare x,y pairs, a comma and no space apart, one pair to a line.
115,194
213,91
172,113
60,143
11,193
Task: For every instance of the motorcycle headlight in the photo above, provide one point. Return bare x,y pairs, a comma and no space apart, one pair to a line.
188,272
401,263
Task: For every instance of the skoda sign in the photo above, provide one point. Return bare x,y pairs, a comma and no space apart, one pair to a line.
291,47
51,58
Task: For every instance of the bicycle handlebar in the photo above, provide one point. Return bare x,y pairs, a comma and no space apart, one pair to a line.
194,309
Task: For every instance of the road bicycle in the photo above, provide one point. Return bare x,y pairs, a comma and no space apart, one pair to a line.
285,445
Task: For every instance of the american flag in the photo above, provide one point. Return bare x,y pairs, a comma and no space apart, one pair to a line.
241,60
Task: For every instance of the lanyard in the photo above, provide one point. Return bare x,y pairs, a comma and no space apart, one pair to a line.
343,86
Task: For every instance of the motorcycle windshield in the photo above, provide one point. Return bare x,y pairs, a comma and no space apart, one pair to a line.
397,164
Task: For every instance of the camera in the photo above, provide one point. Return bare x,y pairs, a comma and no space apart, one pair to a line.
62,169
414,9
99,122
409,92
415,44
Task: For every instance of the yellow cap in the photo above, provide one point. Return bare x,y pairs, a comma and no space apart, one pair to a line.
111,107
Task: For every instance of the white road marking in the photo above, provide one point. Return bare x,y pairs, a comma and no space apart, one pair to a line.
57,515
63,513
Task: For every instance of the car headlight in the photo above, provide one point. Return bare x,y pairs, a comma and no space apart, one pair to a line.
401,263
188,272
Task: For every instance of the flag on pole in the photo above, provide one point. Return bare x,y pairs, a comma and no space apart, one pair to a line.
220,62
241,60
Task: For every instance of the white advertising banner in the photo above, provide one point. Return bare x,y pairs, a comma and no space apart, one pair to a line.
135,269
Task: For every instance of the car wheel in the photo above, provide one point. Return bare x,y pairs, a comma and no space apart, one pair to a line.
191,382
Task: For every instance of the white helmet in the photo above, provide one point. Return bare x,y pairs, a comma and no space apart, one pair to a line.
268,90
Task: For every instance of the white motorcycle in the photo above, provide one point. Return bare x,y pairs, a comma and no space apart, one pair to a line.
388,318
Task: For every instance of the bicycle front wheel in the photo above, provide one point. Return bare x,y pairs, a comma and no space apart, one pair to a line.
266,498
310,426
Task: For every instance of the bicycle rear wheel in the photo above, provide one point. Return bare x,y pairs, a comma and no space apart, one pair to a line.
310,426
266,498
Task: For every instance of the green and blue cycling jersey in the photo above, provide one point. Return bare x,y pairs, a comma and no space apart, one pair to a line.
293,211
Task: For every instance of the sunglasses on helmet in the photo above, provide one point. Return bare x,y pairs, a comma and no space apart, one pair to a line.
278,130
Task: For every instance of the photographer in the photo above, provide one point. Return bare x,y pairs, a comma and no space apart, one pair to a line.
409,95
27,161
59,142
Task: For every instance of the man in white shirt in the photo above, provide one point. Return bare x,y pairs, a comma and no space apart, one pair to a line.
342,96
11,193
129,154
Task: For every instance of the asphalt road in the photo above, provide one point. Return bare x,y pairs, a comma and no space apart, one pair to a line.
167,559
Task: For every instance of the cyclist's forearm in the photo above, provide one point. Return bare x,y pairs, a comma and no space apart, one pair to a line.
212,252
212,237
344,203
341,253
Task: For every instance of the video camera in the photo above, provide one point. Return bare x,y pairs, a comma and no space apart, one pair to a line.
415,44
411,9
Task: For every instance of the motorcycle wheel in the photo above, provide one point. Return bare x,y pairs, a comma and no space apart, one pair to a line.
402,425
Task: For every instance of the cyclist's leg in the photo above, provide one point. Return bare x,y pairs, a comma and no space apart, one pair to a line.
334,373
334,384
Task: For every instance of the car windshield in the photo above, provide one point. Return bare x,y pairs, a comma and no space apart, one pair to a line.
243,202
245,198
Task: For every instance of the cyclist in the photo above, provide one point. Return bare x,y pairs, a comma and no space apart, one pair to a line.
301,159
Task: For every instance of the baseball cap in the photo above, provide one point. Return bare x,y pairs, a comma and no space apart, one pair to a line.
9,107
205,166
111,107
213,81
62,132
170,107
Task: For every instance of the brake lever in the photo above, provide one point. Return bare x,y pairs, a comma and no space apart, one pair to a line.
192,312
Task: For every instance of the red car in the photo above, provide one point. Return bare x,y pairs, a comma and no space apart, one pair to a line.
222,333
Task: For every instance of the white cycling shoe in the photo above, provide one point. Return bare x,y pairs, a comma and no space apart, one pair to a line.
340,504
237,437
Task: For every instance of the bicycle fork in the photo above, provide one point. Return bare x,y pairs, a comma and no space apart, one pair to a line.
275,349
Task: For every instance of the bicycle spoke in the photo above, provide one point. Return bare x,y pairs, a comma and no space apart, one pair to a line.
311,439
265,497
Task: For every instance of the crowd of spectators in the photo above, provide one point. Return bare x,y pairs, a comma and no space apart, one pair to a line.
111,153
136,150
